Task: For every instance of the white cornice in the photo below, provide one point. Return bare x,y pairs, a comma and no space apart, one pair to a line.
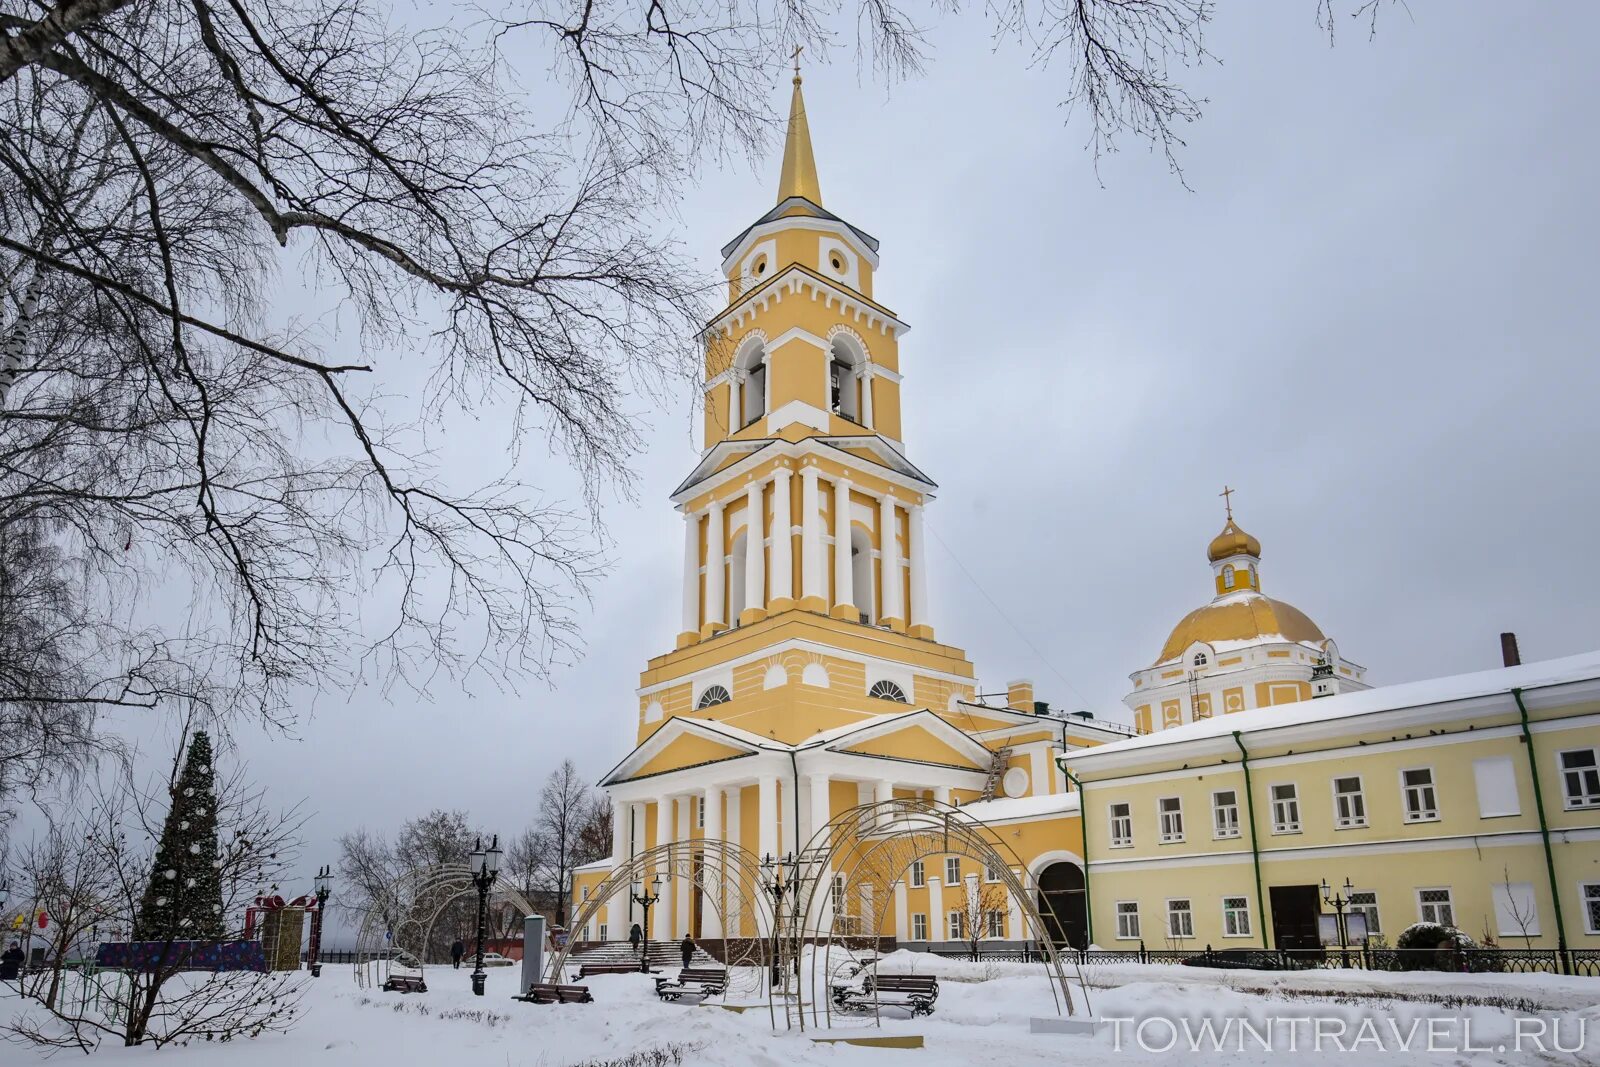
791,280
793,222
762,449
804,645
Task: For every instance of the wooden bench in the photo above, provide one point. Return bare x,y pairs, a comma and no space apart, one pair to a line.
914,991
693,981
609,967
405,983
551,993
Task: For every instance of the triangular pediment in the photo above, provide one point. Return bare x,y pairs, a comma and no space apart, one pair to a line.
679,744
919,737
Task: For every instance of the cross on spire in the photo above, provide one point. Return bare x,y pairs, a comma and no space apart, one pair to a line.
796,57
1227,500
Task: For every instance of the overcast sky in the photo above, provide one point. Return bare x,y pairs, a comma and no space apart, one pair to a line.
1374,316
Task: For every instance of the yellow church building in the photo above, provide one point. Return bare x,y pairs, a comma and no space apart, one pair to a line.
807,677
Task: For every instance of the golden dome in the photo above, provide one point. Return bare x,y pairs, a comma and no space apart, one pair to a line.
1243,617
1231,542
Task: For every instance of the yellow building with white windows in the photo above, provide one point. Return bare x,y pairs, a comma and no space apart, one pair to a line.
806,676
1471,801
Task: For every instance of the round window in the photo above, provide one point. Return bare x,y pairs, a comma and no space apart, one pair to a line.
838,263
1015,783
761,267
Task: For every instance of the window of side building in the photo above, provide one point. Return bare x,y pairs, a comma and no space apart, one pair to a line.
1121,816
952,870
919,875
1580,778
1435,906
1285,809
1349,803
1180,918
1366,902
1224,814
1171,809
1235,917
919,927
1128,920
1421,799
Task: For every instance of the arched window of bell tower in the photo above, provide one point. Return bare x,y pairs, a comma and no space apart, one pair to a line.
846,360
751,365
861,574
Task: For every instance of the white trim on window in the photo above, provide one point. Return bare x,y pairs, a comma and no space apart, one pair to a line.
1423,805
919,874
1589,894
1369,907
1224,817
1180,921
1236,917
1120,825
1440,911
957,926
952,870
1285,809
1580,786
1170,814
1349,807
1128,920
919,926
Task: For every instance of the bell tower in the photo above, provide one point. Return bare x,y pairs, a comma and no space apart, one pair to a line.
803,519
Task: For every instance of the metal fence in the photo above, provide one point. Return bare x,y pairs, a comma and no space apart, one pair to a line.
1584,962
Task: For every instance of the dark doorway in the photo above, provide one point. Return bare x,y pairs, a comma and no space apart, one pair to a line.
1294,916
1062,905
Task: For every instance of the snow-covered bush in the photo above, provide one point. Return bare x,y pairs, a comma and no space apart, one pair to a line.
1431,947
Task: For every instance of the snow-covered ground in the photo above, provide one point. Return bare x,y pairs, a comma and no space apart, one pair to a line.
982,1019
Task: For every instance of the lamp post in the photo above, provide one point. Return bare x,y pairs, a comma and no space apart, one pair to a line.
778,876
485,866
324,889
644,898
1339,902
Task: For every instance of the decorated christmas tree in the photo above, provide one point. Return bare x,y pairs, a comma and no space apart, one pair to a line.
184,901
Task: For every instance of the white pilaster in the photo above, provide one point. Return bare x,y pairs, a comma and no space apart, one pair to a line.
889,556
820,808
1014,929
917,551
711,907
782,539
767,816
662,930
735,400
902,914
755,552
938,921
731,830
812,582
691,572
941,794
882,792
843,572
1039,771
865,375
716,568
787,808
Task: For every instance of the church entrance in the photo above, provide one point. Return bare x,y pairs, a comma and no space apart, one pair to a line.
1062,904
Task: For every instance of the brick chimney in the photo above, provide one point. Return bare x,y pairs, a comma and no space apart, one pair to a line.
1019,695
1508,650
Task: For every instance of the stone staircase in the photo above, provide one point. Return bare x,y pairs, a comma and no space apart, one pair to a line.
664,955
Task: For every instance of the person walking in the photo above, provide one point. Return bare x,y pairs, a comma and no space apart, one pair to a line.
457,950
11,963
636,938
688,950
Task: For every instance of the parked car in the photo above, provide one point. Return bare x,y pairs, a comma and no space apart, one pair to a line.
494,959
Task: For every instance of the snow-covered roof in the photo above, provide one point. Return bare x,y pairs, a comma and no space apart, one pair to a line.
1336,709
1007,809
597,865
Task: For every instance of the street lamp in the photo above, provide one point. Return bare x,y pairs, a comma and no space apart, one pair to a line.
323,885
773,880
643,897
485,866
1339,902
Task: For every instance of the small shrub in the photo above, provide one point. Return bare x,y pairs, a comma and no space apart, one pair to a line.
1430,947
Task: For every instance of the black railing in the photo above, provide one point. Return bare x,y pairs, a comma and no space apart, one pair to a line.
1583,962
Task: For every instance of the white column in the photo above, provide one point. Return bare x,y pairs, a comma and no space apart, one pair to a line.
782,537
691,573
767,816
711,907
902,914
882,791
843,590
820,808
788,806
615,917
662,930
684,894
755,553
731,829
812,582
716,567
917,551
941,794
637,814
865,374
889,555
1014,929
735,400
938,922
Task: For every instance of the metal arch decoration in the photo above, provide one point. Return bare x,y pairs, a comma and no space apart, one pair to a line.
729,878
872,846
402,917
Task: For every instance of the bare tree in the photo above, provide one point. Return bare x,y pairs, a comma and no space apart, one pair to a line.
565,835
102,869
978,901
370,868
65,879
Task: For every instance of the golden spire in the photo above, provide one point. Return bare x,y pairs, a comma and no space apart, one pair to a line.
799,177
